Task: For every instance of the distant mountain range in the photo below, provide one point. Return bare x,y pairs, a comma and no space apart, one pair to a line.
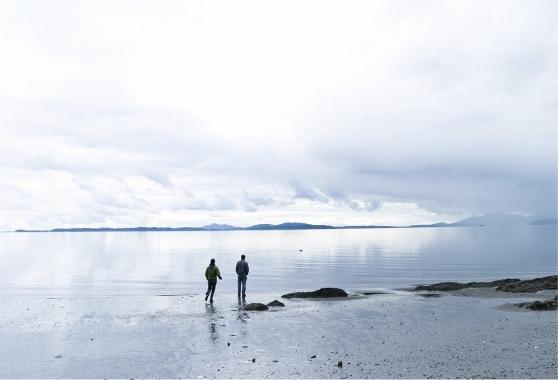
507,220
477,221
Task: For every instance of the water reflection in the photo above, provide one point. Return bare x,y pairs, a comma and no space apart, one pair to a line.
212,317
242,315
130,263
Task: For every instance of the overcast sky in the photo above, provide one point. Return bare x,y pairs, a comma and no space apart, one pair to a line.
169,113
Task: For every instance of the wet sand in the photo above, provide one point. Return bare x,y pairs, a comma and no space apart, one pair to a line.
470,333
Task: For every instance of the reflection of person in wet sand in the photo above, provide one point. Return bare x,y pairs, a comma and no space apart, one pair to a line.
211,312
211,274
242,314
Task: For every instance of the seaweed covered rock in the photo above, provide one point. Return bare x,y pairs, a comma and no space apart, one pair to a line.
276,304
530,286
255,307
320,293
550,304
448,286
442,286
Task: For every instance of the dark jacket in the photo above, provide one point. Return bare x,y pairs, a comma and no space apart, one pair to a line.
242,268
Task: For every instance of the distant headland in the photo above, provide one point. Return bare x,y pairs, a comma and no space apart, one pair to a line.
477,221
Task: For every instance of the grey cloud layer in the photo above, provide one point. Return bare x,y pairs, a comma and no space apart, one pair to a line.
141,113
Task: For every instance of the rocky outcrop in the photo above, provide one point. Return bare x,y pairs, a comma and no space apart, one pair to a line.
530,286
550,304
276,304
255,307
373,293
448,286
320,293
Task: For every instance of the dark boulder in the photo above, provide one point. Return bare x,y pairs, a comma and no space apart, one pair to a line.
320,293
430,295
530,286
276,304
255,307
373,293
550,304
442,286
448,286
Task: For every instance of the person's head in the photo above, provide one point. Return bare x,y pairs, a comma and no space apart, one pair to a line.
212,262
242,257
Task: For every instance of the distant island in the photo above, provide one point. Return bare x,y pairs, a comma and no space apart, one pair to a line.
477,221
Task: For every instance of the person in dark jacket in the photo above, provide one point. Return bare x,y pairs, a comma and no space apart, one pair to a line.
242,270
211,274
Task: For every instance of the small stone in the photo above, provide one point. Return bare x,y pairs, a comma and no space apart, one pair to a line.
313,357
253,360
228,344
340,364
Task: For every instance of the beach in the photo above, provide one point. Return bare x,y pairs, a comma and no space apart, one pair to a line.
396,335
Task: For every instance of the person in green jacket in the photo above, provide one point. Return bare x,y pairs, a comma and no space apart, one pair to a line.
211,274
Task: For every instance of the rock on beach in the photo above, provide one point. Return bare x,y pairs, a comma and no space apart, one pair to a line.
276,304
255,307
320,293
530,286
449,286
551,304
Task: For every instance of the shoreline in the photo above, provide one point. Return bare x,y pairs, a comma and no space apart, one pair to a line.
395,335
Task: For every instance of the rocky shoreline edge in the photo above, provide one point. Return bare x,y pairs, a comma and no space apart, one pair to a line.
508,285
513,285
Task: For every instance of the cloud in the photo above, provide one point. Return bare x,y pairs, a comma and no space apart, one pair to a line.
394,112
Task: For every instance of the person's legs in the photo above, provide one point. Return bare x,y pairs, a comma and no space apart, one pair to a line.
239,282
208,289
213,284
244,278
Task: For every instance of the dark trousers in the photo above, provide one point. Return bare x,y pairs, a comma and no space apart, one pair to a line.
242,282
211,283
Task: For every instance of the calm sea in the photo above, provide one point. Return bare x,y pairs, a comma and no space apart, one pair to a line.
144,263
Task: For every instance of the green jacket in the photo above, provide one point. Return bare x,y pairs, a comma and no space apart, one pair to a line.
212,272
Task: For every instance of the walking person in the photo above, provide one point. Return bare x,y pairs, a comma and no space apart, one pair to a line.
242,270
211,274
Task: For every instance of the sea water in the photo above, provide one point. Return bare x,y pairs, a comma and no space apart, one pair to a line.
157,263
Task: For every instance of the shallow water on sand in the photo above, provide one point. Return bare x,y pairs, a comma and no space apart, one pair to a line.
151,263
398,335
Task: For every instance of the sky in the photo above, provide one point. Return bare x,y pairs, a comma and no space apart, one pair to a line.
185,113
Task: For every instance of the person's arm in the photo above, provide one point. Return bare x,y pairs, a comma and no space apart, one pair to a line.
247,268
237,266
219,274
207,273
